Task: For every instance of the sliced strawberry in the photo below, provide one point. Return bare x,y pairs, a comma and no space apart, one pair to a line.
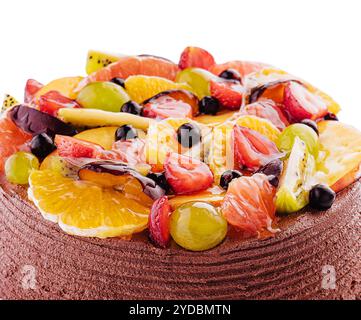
69,147
251,149
159,222
31,88
52,101
167,107
229,93
249,205
130,151
243,67
187,175
301,104
194,57
269,110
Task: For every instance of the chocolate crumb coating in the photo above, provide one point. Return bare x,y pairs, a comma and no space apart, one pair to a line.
298,263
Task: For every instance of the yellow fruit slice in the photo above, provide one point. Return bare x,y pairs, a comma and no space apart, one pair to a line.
263,126
85,209
218,119
65,86
141,88
340,153
9,101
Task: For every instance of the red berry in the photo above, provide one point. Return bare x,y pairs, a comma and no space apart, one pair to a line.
302,104
249,205
31,88
228,93
252,150
194,57
52,101
187,175
159,222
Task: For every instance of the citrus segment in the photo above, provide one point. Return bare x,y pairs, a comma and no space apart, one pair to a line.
84,208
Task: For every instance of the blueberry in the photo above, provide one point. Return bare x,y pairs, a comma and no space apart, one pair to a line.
118,81
209,105
273,170
228,176
311,124
131,107
331,116
189,135
321,197
230,74
125,132
42,145
160,180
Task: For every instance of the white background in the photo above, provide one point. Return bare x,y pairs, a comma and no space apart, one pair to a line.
318,40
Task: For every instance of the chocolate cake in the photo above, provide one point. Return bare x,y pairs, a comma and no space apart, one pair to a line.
297,263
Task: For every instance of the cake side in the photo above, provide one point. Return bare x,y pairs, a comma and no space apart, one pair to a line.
297,264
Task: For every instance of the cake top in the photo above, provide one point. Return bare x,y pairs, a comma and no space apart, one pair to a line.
189,151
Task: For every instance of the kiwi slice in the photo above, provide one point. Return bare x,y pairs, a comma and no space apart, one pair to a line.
97,60
295,180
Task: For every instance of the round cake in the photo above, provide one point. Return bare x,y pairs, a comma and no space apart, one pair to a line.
296,264
148,179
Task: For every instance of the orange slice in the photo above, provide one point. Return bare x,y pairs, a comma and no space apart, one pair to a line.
84,208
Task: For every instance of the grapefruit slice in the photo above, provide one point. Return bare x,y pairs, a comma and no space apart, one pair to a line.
134,65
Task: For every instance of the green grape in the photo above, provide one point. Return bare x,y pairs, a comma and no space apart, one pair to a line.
309,136
197,226
298,171
106,96
19,166
198,79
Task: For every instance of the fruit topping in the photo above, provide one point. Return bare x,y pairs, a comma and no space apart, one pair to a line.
262,126
102,95
160,179
197,58
126,132
142,88
159,222
215,120
9,101
19,166
197,226
31,89
287,138
312,124
301,104
242,67
34,122
209,105
130,65
119,82
52,101
84,208
340,156
189,135
65,86
322,197
182,172
231,74
42,145
249,205
131,107
97,60
198,79
228,92
251,149
295,180
112,174
273,171
227,178
273,90
267,109
330,116
131,152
